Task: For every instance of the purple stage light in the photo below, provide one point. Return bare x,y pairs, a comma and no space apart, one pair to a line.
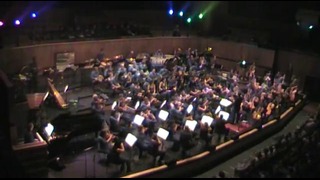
17,22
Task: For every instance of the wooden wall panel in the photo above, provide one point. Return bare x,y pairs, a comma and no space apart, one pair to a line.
13,59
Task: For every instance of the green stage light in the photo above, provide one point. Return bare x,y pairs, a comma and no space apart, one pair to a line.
189,20
200,16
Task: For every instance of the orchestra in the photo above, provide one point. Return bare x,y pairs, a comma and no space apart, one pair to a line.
141,90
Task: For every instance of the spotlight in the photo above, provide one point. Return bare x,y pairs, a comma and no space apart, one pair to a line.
189,20
171,12
311,26
181,13
1,23
200,16
17,22
243,64
33,15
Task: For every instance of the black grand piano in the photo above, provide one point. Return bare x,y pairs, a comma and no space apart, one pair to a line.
73,130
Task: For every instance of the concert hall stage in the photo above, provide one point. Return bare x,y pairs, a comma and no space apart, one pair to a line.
82,154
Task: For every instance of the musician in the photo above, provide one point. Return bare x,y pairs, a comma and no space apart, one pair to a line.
163,85
100,55
236,108
131,55
94,75
159,149
153,74
202,108
107,69
121,69
101,115
205,132
220,129
117,156
105,139
292,94
144,142
187,141
30,135
33,76
149,117
115,119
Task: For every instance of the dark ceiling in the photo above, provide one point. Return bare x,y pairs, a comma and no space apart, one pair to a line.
259,9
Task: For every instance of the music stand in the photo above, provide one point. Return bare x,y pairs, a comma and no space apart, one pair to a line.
138,120
130,139
225,102
65,92
189,109
163,115
225,115
218,110
163,103
137,105
191,124
162,133
206,119
114,104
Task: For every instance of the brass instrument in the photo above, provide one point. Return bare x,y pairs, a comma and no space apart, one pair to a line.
256,115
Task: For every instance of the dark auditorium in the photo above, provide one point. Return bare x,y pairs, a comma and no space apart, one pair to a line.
159,89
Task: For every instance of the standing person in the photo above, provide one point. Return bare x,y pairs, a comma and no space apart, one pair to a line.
236,108
118,155
33,76
220,129
101,55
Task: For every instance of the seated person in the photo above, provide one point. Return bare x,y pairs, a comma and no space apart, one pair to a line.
144,142
30,135
105,141
159,149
